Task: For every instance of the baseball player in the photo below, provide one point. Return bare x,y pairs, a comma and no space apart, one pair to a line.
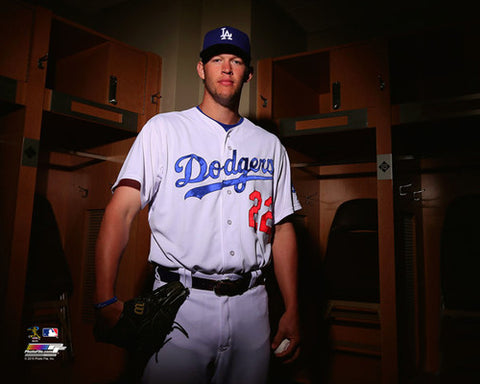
219,194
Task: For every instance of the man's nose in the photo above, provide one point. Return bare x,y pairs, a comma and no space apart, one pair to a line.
227,68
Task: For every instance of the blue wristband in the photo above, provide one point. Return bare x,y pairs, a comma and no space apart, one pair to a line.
106,303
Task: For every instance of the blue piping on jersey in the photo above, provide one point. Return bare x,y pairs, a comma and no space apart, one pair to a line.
225,126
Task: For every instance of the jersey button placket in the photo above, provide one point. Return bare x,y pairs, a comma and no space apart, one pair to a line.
229,221
228,202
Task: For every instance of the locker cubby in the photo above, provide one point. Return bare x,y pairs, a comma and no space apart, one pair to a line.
95,88
95,68
322,102
337,79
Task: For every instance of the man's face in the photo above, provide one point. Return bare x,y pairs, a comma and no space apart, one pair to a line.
224,76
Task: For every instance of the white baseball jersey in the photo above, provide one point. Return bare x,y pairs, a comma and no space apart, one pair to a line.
213,195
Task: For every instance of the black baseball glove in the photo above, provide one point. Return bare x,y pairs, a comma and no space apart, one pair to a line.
146,320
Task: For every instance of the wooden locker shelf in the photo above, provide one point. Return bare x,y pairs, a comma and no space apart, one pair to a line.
435,110
324,123
72,123
423,138
331,138
329,148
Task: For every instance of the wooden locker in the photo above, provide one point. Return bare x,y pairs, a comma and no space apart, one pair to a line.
331,110
68,147
19,161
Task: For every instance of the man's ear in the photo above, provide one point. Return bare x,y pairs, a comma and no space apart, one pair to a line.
201,70
248,75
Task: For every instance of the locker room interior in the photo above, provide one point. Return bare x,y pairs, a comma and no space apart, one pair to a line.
378,106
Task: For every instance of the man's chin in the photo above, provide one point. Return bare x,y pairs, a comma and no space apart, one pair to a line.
227,101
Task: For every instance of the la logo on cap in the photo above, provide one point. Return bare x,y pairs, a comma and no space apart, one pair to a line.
225,34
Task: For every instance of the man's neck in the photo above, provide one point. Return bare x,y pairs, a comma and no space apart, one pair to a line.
219,112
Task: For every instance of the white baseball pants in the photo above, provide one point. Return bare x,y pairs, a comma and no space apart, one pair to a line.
228,343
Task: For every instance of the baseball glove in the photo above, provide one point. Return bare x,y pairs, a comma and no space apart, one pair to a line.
146,320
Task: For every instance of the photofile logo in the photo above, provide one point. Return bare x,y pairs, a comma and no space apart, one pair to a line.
43,351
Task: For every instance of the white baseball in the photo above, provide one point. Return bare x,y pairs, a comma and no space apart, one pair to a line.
282,347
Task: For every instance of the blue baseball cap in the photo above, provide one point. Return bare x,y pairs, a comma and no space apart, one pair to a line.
226,40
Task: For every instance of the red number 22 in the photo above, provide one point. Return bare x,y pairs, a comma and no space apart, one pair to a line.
256,197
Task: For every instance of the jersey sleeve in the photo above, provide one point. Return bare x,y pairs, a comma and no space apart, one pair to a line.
143,163
286,201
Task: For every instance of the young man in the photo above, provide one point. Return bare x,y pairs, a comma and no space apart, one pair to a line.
219,194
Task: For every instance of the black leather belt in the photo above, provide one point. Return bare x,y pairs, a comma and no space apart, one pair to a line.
224,287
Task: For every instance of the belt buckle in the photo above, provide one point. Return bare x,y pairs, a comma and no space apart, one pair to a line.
226,287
